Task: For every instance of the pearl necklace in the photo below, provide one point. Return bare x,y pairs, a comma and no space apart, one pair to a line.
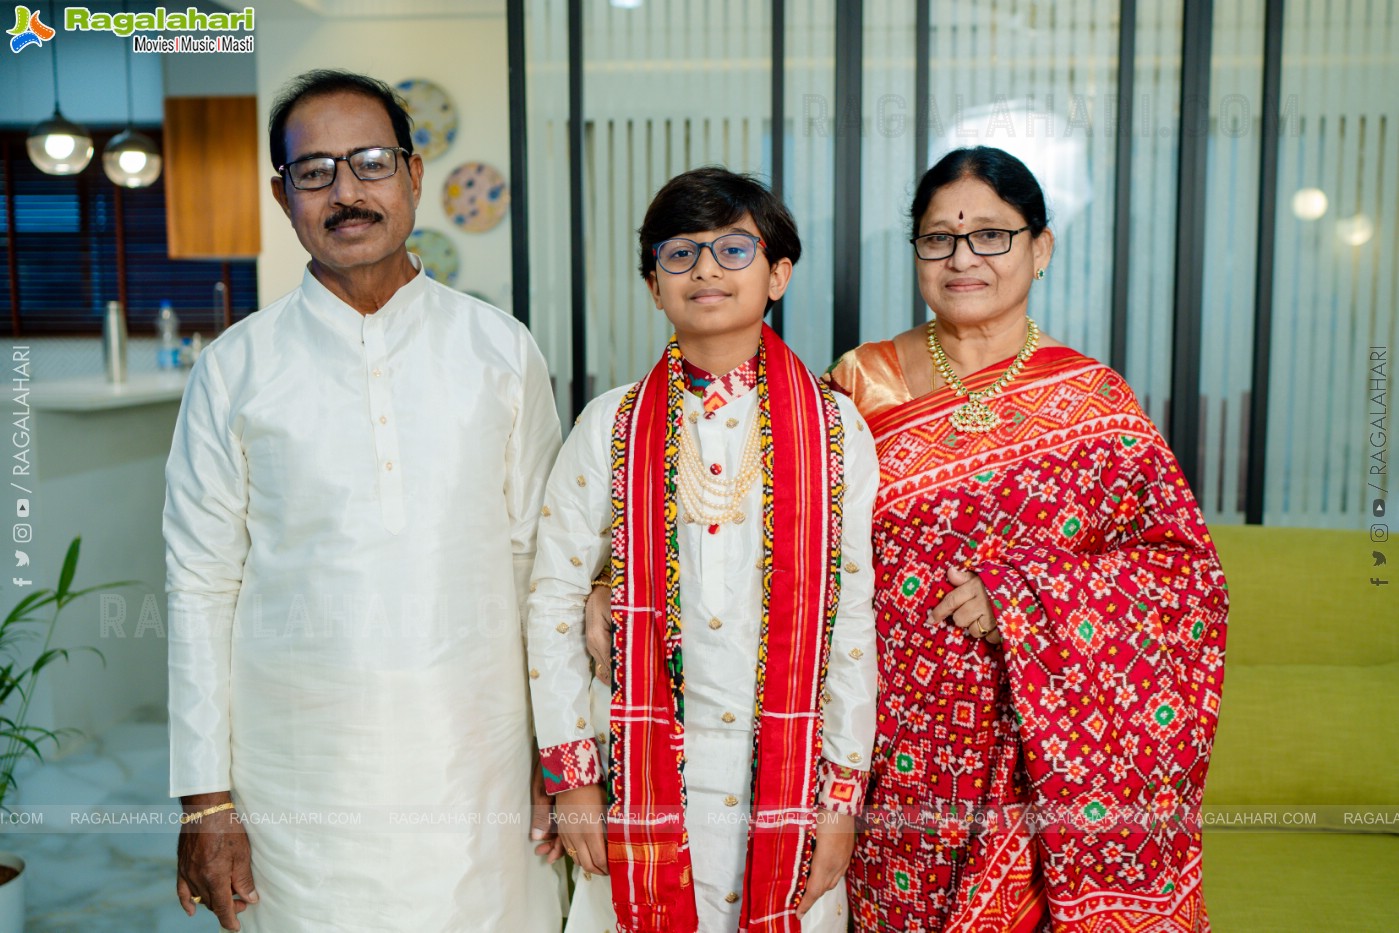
976,417
706,498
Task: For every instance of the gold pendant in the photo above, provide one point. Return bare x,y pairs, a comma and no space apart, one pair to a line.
975,417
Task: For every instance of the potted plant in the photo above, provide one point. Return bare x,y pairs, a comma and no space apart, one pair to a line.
31,619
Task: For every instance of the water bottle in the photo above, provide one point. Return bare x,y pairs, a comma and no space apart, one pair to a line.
114,343
167,327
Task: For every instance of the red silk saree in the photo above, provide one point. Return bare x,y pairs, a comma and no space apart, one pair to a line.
1052,782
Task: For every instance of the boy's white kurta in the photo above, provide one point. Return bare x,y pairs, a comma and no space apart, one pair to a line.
350,522
721,609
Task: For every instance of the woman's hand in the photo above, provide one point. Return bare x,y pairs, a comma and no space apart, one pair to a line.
835,842
968,606
582,818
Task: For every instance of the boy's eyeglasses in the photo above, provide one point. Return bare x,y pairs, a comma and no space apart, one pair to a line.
989,242
732,251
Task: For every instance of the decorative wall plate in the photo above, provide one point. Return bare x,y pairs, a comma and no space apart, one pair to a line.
476,197
434,116
439,255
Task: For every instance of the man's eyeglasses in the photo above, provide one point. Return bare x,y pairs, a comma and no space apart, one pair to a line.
732,251
373,164
988,242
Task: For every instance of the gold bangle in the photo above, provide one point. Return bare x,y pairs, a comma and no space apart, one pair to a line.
208,811
604,578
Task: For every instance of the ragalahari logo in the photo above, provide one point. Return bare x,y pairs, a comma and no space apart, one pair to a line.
29,30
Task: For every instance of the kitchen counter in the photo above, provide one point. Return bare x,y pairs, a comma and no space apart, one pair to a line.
97,394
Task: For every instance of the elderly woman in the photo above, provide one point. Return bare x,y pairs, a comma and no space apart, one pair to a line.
1051,609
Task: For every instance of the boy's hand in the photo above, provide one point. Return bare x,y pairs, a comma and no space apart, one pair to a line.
582,817
835,842
597,629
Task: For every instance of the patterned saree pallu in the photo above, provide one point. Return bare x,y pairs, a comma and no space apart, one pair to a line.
648,851
1060,774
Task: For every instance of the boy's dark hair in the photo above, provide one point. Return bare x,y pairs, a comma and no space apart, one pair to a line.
325,81
712,198
1007,176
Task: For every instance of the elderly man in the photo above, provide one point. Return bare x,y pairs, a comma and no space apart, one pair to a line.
350,522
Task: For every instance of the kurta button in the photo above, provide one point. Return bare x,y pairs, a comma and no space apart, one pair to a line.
602,736
545,512
859,426
731,897
694,416
715,624
377,372
389,466
731,801
561,628
856,653
854,757
533,674
582,480
383,419
727,717
731,423
582,723
575,561
852,567
533,587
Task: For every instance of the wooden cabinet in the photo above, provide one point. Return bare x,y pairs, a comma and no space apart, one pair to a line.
212,177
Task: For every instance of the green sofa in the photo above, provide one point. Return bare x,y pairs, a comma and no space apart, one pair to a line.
1302,798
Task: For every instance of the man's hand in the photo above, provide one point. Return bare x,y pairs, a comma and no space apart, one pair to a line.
541,827
597,629
215,862
835,842
582,816
968,606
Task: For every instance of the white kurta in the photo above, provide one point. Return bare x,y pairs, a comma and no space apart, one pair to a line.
721,609
350,522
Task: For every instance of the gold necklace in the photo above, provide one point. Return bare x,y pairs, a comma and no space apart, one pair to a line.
976,417
708,499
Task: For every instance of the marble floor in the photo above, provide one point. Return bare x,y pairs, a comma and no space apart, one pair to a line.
103,878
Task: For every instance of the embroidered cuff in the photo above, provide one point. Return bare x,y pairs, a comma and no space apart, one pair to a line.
570,765
840,789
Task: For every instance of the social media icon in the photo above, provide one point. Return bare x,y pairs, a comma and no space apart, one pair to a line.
1379,533
23,533
22,559
21,508
1379,558
20,581
1378,508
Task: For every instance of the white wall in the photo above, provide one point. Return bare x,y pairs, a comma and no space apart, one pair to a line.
463,54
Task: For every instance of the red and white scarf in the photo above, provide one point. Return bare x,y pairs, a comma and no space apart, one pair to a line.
803,486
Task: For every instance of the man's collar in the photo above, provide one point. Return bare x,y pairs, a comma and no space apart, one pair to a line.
346,319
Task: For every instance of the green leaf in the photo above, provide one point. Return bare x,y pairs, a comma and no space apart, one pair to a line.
114,585
28,604
70,567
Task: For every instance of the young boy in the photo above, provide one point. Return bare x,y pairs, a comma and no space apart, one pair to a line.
727,497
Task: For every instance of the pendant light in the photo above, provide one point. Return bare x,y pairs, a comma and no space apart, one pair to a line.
131,159
59,146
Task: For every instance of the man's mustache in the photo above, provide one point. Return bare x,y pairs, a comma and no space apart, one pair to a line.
350,215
